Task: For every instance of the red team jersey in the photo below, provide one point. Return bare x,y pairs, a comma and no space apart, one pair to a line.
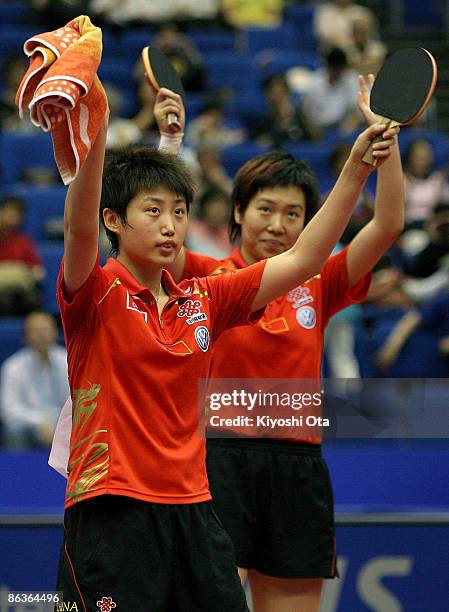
287,342
133,379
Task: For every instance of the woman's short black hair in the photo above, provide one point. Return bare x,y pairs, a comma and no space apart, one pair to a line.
131,170
269,170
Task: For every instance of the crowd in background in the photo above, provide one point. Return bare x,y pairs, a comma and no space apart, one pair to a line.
303,94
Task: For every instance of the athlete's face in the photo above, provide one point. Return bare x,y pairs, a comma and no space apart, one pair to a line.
272,222
155,229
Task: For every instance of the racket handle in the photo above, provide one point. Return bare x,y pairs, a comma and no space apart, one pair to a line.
368,157
173,119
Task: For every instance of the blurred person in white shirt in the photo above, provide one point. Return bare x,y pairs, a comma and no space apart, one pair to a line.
33,385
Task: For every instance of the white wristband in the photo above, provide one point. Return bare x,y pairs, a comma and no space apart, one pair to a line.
170,143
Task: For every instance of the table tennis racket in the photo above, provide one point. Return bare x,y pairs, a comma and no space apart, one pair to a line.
402,90
160,73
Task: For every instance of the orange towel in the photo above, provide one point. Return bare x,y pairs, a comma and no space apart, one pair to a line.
63,92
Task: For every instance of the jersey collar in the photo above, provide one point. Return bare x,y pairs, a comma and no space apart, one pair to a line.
237,259
115,267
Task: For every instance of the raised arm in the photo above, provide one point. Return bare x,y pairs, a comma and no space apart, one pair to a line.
171,140
387,223
315,243
81,216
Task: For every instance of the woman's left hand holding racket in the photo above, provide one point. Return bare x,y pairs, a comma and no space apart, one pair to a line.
167,105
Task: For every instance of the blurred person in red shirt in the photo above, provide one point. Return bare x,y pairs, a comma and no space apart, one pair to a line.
20,264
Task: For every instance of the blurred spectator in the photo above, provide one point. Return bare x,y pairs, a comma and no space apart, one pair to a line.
14,67
208,233
149,12
334,22
210,131
433,316
121,131
424,186
339,340
366,54
210,172
184,56
40,176
330,101
20,265
242,14
386,289
284,121
418,278
436,252
33,385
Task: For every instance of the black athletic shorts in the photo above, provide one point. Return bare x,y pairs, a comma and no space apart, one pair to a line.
147,556
274,498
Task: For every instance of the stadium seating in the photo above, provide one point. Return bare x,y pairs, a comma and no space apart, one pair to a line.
12,38
231,70
11,335
316,154
51,254
276,61
21,151
13,12
234,157
42,204
133,40
258,39
210,41
117,71
246,106
302,18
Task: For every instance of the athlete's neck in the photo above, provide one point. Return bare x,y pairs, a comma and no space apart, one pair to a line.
247,257
148,276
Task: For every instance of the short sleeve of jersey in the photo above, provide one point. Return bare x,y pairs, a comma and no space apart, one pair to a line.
198,265
435,314
232,295
80,309
337,294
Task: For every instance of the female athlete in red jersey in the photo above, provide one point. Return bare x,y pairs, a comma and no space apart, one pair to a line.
139,527
274,496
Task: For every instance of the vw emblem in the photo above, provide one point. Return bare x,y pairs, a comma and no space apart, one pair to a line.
306,317
202,337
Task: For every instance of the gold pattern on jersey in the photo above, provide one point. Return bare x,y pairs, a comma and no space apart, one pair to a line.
178,348
88,479
197,292
81,400
309,280
114,284
89,452
275,326
223,269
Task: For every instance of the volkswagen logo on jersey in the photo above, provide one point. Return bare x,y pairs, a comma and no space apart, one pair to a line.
202,337
306,317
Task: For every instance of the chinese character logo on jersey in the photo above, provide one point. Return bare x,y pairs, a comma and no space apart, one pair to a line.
299,296
189,308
